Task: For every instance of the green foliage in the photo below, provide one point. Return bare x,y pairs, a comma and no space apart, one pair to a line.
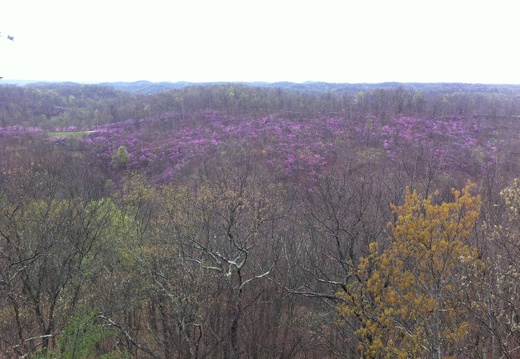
370,154
81,339
121,157
67,134
81,335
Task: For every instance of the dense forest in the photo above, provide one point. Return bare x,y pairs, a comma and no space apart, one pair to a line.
259,220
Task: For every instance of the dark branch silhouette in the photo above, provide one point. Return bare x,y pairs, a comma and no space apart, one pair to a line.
9,37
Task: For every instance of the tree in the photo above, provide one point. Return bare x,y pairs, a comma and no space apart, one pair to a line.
121,157
50,231
47,250
228,241
497,307
81,335
405,298
339,216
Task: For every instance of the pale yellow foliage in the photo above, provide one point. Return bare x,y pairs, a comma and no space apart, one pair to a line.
404,297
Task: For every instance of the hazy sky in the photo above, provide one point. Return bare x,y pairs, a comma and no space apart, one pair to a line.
265,40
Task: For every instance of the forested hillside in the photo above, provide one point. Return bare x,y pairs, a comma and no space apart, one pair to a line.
259,221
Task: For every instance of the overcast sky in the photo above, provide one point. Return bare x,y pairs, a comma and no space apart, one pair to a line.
266,40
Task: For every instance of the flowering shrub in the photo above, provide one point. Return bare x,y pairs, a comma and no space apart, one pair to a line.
171,145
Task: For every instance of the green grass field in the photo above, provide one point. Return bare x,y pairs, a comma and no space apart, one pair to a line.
68,134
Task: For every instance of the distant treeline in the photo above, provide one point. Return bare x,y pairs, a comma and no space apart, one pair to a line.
55,105
147,87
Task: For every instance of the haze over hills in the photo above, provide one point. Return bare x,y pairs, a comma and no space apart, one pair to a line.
149,87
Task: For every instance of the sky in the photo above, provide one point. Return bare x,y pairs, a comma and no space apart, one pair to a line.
342,41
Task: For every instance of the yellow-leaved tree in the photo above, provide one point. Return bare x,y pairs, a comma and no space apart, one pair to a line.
403,301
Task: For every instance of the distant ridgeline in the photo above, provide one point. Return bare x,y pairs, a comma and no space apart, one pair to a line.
148,87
